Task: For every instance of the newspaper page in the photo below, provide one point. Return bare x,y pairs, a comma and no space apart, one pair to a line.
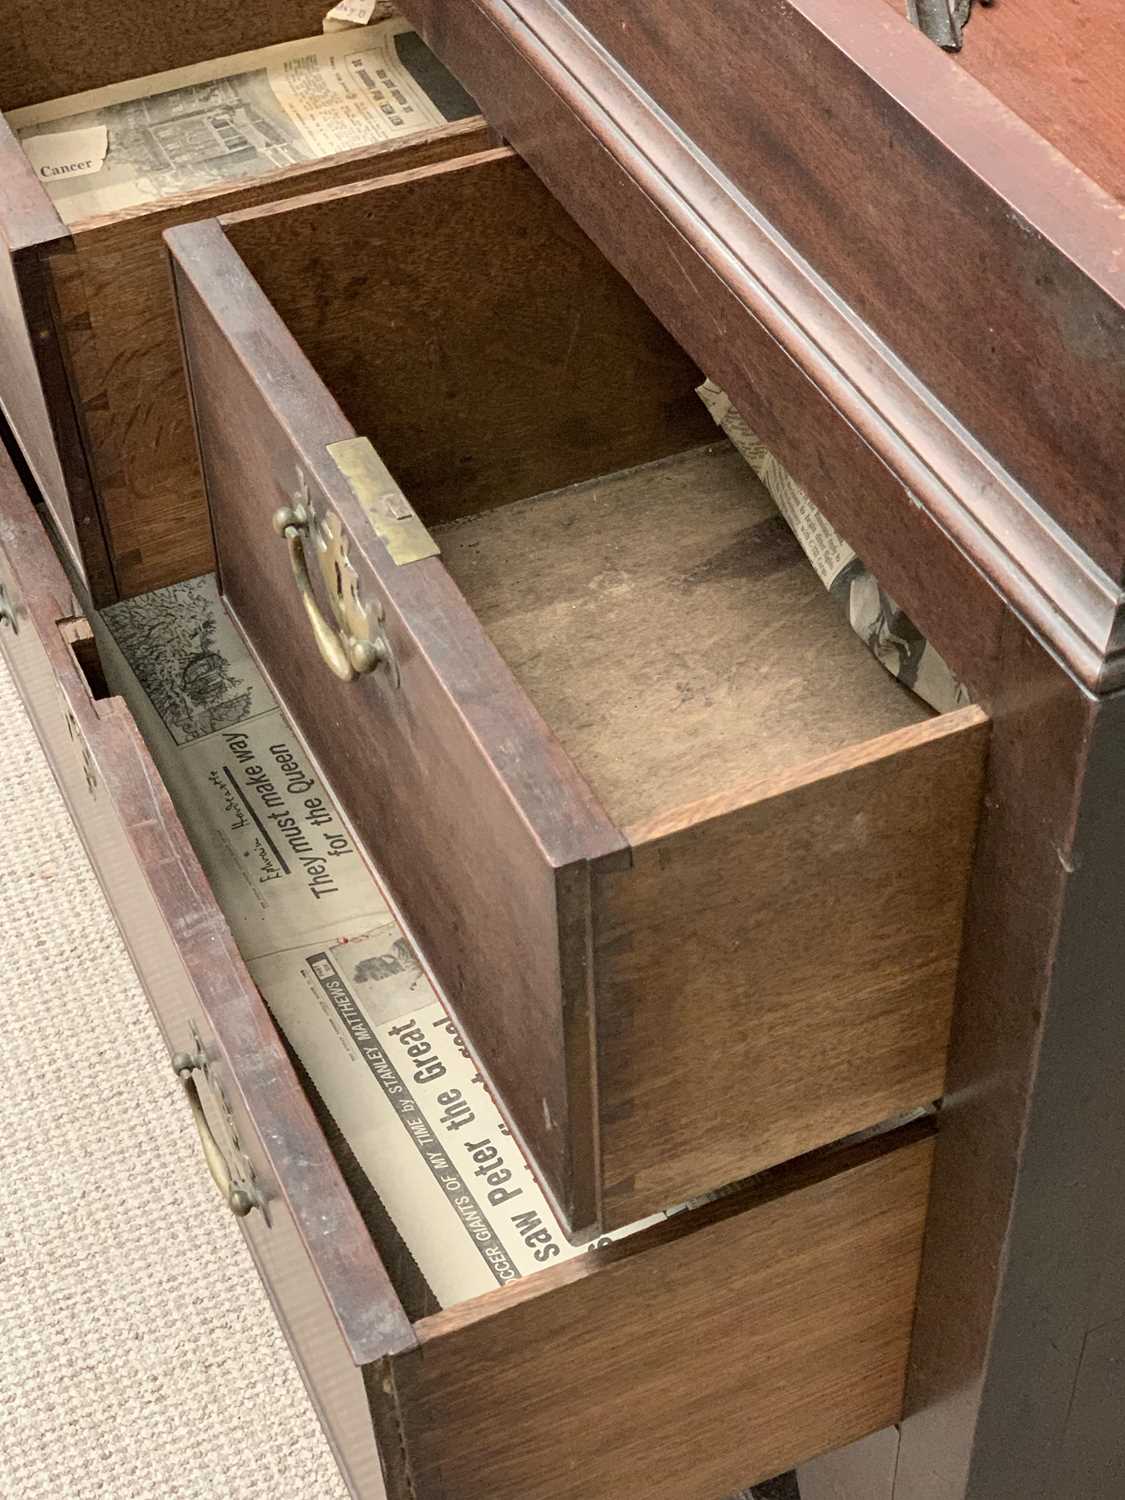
887,632
356,13
223,122
325,951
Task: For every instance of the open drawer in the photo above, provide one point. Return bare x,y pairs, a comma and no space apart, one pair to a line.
696,1356
103,145
650,811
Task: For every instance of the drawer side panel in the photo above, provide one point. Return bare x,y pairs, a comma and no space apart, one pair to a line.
481,824
812,994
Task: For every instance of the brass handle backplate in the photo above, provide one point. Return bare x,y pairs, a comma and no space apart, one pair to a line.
241,1197
354,645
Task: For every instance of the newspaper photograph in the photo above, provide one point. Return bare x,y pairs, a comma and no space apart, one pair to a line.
890,636
324,949
282,865
220,123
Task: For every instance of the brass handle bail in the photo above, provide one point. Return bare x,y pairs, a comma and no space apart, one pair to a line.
239,1199
346,655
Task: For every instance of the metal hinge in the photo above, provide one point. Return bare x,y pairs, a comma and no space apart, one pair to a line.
395,521
942,20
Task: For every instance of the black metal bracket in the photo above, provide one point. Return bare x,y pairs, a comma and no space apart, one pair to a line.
943,21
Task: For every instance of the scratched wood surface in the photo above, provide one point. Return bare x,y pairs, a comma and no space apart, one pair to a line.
795,943
666,624
53,47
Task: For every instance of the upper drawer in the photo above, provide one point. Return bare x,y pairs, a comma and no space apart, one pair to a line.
649,808
194,116
619,1373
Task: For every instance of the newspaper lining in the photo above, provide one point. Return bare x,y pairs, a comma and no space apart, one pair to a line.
888,633
67,153
327,955
356,13
234,119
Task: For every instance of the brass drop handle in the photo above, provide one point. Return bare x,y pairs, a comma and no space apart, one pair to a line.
239,1200
346,655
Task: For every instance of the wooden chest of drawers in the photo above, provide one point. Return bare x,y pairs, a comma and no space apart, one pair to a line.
474,525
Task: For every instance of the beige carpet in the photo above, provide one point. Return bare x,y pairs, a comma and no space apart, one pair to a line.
138,1354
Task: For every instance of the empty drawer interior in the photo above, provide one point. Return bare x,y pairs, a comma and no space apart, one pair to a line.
627,562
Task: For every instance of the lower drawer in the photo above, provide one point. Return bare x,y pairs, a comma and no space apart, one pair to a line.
696,1356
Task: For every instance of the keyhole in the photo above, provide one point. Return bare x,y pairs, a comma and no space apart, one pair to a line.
339,583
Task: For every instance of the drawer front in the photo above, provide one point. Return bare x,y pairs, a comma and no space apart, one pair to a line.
327,1285
809,372
843,127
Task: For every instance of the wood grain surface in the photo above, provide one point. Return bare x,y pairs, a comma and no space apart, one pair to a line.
1026,1242
1059,72
54,48
794,947
862,131
666,624
590,146
817,385
684,1363
127,363
512,358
